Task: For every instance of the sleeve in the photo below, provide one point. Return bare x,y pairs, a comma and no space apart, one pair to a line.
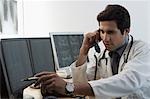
134,76
79,73
85,72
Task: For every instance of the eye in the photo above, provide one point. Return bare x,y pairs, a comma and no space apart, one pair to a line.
101,31
110,32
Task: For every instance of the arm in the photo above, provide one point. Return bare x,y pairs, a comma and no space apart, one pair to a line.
88,41
82,56
80,68
83,89
52,82
134,76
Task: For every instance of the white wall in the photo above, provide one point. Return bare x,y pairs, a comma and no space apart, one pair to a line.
44,16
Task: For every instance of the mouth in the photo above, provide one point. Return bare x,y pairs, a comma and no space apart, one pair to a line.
107,45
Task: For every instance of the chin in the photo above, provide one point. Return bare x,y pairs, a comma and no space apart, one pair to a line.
109,49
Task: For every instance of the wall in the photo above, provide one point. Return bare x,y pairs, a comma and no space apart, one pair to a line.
44,16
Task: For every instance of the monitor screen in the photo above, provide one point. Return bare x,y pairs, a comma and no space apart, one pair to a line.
42,55
66,47
16,63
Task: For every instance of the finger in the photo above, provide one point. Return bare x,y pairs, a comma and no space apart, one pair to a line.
50,86
97,36
91,37
49,89
37,83
43,89
43,73
47,82
35,87
50,92
44,78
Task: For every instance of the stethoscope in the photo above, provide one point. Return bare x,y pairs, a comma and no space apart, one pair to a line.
103,57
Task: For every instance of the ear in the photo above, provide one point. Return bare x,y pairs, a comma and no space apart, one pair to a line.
126,31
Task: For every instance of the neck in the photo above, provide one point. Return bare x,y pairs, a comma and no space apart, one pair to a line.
125,41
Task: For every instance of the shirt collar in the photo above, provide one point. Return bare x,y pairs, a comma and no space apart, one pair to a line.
121,48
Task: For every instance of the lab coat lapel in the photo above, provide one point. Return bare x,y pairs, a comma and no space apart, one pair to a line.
124,56
109,68
105,66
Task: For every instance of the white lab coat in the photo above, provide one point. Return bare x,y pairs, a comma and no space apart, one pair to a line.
132,81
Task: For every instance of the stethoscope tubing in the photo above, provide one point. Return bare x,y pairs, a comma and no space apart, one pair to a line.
103,57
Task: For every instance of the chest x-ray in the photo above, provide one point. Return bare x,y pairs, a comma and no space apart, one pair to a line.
8,16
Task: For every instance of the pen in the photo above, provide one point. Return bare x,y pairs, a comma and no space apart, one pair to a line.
30,79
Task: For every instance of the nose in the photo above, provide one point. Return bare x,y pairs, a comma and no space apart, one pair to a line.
106,37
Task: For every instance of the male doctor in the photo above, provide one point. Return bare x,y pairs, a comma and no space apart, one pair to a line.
120,71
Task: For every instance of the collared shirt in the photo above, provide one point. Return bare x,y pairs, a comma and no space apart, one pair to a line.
116,55
115,58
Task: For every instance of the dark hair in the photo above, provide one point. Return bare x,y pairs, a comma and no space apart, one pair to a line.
117,13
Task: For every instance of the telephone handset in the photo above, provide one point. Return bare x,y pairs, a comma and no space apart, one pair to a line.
96,46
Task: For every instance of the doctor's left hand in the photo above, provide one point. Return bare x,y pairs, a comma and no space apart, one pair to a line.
51,82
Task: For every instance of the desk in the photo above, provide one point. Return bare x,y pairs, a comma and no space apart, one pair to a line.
30,93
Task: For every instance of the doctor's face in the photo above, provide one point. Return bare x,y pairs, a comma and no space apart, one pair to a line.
111,35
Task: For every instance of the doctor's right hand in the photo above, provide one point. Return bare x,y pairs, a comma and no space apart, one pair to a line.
50,82
89,39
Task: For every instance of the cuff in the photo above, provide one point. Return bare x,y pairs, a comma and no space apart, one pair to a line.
79,73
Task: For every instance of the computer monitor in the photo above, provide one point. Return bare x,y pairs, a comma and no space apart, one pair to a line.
66,46
42,55
16,64
3,88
